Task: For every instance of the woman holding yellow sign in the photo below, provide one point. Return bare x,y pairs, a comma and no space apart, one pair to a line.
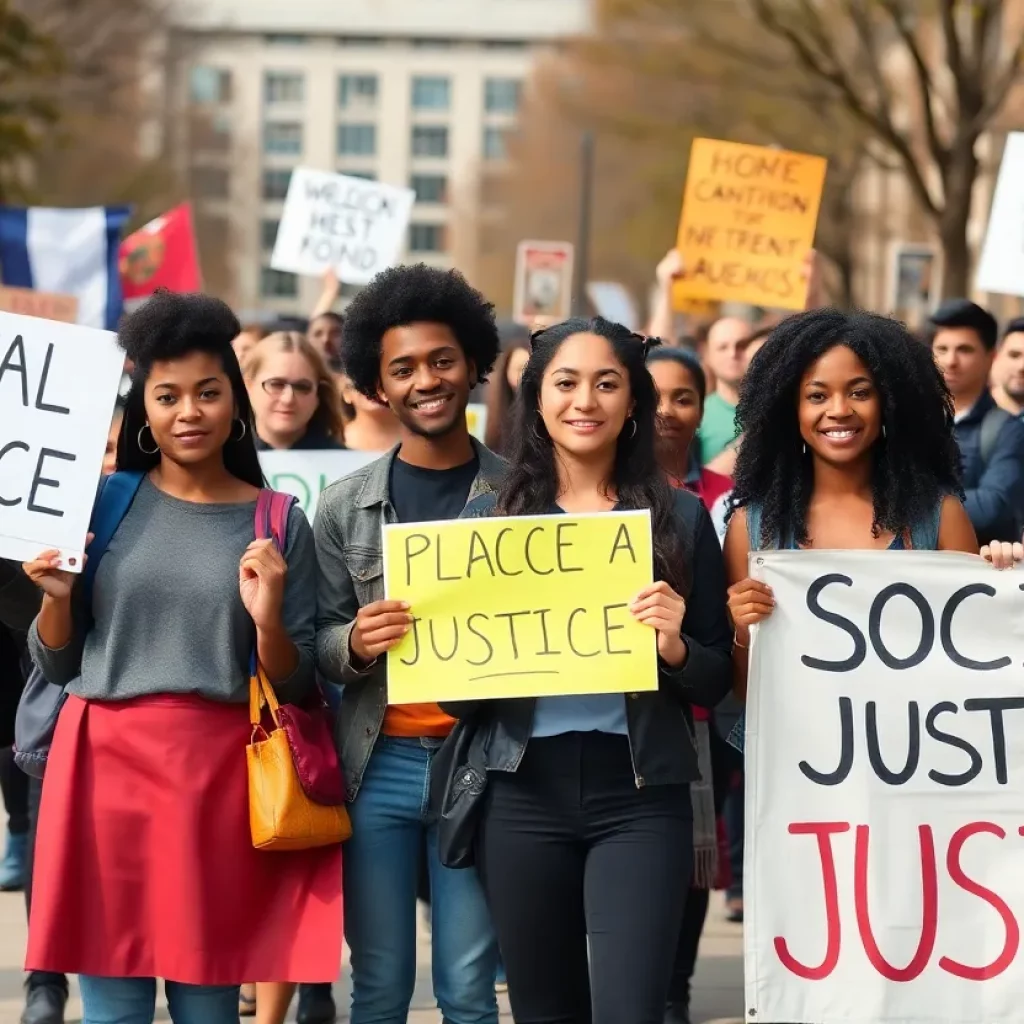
586,832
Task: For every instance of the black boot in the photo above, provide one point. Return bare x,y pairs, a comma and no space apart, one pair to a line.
316,1005
46,995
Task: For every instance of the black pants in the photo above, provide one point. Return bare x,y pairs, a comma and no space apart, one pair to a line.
569,848
14,784
723,765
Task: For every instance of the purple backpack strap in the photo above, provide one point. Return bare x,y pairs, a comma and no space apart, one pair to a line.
272,511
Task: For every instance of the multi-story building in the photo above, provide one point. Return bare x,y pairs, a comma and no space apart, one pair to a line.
417,93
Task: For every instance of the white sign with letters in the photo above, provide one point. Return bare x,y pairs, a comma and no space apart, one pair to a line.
333,221
58,385
306,473
885,791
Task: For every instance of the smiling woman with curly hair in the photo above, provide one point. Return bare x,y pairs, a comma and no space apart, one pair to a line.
849,445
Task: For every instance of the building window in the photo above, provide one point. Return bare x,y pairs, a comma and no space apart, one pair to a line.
433,44
360,40
357,139
285,39
282,137
364,175
357,91
276,284
429,188
426,237
283,87
505,44
209,182
494,144
431,93
211,131
501,95
209,85
429,141
275,183
268,232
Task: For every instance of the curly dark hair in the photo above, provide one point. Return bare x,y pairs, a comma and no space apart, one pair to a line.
916,462
415,294
531,485
170,326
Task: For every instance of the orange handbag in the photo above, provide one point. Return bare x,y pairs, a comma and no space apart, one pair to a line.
281,815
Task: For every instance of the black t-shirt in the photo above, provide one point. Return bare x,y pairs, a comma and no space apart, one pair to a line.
422,495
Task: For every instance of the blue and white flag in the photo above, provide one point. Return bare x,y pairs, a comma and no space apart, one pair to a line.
66,252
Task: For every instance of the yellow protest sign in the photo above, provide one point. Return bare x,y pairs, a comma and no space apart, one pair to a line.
520,607
748,221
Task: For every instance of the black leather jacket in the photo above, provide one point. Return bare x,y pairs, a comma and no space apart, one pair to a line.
660,722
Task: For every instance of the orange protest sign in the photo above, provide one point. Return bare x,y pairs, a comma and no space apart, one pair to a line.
45,305
749,214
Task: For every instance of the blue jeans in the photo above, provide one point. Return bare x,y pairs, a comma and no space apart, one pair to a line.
133,1001
389,818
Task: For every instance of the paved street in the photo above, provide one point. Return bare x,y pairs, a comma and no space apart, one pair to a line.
718,995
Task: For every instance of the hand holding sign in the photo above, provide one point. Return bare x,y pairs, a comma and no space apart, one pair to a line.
1003,554
379,627
750,602
661,608
47,574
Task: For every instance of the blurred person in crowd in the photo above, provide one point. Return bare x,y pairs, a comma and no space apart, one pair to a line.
177,699
370,425
587,832
325,326
991,440
848,446
418,339
293,394
1008,369
501,392
725,360
246,339
681,386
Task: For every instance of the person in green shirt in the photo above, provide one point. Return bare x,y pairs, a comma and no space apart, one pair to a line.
726,361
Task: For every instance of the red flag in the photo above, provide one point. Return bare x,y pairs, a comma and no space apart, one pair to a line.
161,255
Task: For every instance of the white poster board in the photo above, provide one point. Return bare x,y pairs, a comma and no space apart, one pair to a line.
333,221
885,791
1001,267
914,282
306,473
58,385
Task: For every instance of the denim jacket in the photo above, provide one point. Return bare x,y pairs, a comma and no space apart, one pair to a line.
349,526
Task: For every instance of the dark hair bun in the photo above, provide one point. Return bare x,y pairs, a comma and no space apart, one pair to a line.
170,325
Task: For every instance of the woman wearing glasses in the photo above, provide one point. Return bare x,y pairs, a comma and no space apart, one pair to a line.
293,395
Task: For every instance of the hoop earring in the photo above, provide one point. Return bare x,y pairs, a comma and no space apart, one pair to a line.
241,436
805,447
883,431
633,435
146,451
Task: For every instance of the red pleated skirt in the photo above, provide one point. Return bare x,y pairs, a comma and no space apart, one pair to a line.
144,861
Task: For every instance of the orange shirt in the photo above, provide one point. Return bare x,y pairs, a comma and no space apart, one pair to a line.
414,720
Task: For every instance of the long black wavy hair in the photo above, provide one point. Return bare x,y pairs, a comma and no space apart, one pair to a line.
531,485
916,462
168,327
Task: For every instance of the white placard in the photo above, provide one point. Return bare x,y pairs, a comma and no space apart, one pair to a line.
1001,267
58,385
543,282
331,220
306,473
885,791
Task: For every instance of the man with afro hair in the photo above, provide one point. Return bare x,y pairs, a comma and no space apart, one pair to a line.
418,340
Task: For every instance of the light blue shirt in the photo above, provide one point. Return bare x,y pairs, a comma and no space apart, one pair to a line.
599,712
